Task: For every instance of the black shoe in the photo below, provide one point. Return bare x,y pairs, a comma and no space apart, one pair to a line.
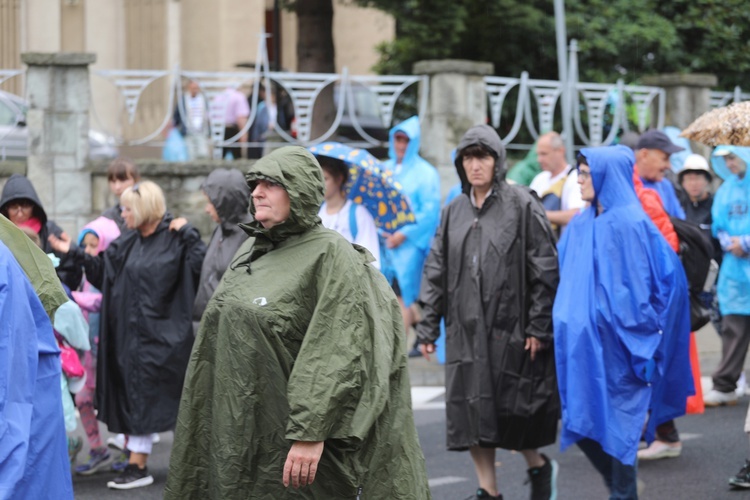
742,479
482,493
131,477
544,480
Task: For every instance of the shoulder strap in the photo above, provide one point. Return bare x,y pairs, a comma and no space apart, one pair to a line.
353,220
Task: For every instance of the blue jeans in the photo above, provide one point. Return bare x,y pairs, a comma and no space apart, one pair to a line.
619,478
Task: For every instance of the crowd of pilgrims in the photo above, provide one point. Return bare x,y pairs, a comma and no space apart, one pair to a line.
563,299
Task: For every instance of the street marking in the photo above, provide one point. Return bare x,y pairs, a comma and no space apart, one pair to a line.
687,436
422,398
442,481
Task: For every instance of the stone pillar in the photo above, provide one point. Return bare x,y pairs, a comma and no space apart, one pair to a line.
58,93
688,95
457,100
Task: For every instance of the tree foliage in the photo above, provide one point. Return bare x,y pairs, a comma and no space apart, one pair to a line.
617,38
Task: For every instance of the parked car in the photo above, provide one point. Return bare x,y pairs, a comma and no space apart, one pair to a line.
14,134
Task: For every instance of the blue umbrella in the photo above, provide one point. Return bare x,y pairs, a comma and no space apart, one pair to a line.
370,186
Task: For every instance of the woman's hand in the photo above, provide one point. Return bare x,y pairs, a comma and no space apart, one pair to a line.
302,463
426,350
395,240
177,223
533,345
736,248
60,245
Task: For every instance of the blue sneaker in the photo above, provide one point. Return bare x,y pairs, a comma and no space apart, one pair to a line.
98,460
121,461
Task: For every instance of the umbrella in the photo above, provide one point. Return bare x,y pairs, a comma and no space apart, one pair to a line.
725,125
370,186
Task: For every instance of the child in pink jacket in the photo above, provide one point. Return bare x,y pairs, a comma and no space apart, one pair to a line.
95,238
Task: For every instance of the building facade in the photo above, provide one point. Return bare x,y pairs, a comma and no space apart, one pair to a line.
200,35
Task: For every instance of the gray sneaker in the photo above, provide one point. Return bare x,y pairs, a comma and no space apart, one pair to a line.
131,477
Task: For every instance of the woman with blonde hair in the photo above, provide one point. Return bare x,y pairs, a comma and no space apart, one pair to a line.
148,279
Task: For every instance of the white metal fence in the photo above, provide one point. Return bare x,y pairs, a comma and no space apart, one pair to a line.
519,108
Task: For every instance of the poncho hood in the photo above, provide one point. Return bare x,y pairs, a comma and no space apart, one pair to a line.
412,129
103,228
718,161
299,173
229,194
19,187
486,136
615,166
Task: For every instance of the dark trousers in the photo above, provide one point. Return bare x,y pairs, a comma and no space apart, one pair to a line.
735,339
231,131
667,432
620,478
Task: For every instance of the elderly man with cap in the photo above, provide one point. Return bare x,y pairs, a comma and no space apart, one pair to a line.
652,162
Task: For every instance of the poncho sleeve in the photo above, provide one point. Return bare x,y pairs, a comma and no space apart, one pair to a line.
426,208
542,272
339,383
432,293
635,310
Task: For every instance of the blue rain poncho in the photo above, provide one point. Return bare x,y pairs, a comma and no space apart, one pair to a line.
621,317
421,183
33,450
731,214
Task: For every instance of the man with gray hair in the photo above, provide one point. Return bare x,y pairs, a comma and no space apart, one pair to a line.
557,183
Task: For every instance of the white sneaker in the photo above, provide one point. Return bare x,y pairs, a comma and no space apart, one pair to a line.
718,398
660,449
117,442
741,386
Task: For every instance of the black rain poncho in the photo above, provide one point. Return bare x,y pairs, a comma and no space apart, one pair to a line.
302,341
492,274
148,289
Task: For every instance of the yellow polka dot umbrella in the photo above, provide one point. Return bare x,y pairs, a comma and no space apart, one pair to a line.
369,185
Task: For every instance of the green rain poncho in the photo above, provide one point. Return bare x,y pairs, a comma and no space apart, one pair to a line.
302,341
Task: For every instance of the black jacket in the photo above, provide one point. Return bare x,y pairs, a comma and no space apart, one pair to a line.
230,195
148,289
699,212
492,274
19,187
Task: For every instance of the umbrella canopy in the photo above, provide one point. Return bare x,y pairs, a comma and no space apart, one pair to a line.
369,186
725,125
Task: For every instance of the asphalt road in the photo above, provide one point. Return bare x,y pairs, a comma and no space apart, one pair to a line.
714,448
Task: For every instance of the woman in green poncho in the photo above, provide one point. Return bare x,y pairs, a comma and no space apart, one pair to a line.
297,385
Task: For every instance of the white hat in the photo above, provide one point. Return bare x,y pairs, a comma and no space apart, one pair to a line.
695,163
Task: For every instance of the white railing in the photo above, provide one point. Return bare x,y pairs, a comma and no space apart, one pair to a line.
599,111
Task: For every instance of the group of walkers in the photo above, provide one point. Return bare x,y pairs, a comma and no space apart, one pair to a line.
276,353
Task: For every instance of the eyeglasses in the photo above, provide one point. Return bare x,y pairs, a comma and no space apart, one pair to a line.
18,205
583,175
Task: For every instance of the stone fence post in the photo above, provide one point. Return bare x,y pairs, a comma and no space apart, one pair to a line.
687,97
59,95
457,100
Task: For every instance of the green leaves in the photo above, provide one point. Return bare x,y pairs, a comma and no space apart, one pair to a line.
617,38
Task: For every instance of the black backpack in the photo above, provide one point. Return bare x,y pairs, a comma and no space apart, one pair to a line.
696,252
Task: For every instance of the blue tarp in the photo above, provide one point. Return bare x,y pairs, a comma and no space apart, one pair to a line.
621,317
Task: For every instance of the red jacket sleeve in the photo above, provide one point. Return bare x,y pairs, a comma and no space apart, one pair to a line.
652,205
